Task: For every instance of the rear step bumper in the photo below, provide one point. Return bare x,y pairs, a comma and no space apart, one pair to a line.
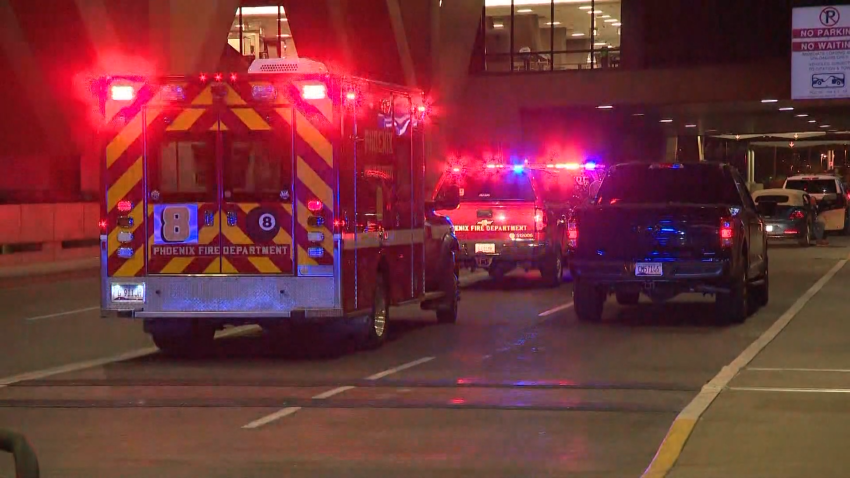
505,252
246,297
620,272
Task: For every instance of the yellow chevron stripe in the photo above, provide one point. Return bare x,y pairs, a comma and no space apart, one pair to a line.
314,183
219,127
304,259
248,206
227,267
264,265
132,266
177,265
214,267
282,237
186,119
122,141
236,236
112,240
122,186
309,134
303,214
204,98
251,118
233,97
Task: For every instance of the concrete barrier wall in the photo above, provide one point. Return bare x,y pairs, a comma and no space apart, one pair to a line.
28,226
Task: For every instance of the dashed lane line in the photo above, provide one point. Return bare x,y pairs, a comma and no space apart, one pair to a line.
62,314
285,412
555,310
673,444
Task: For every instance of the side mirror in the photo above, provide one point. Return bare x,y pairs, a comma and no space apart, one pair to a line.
26,463
449,198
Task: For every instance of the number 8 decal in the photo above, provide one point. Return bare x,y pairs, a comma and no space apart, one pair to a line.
175,224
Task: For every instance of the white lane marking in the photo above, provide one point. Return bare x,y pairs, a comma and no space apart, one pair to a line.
77,366
791,390
405,366
332,392
62,314
770,369
270,418
555,309
694,410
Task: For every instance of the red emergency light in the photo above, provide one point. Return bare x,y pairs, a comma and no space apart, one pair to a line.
122,93
125,206
314,91
314,205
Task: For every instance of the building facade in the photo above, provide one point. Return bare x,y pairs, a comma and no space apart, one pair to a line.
571,79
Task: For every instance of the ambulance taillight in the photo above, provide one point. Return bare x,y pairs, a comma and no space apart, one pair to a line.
122,93
314,91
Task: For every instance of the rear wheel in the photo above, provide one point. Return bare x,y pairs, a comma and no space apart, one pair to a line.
806,239
376,330
628,298
589,301
190,341
846,230
731,307
447,309
760,294
553,270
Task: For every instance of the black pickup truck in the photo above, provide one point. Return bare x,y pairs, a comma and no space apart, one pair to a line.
663,229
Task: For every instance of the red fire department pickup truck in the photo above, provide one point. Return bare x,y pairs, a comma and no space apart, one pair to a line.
282,195
516,215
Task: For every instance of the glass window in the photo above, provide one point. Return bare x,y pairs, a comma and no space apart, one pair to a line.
182,167
813,186
539,35
641,184
261,31
509,186
257,169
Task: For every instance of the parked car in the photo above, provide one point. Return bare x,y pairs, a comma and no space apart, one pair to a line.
788,214
831,195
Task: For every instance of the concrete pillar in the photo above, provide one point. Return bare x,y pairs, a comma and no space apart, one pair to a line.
701,147
830,159
671,152
751,166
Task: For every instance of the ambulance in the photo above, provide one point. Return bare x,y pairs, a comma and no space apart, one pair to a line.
516,214
285,195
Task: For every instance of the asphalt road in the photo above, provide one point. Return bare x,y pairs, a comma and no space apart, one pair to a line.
518,387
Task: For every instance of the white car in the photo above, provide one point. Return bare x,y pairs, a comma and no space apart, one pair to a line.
832,197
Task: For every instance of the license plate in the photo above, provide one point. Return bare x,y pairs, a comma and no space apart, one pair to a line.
768,228
648,269
128,293
485,248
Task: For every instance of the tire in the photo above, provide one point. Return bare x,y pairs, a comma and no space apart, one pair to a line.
628,298
553,271
732,307
376,327
846,230
760,294
192,341
589,301
806,241
447,311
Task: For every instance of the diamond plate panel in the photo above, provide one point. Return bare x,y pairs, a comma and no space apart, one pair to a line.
238,294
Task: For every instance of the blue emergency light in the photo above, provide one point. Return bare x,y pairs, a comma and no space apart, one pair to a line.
518,168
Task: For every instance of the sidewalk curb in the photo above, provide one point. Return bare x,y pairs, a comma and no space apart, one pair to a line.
47,268
684,424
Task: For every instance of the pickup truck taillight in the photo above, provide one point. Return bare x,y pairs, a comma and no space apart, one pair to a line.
727,232
572,234
797,215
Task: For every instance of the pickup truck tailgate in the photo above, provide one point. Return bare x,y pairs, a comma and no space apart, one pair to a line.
649,232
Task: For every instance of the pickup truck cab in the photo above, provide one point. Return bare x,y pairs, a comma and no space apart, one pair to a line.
515,215
662,229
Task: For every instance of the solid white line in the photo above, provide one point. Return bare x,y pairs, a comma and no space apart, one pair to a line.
270,418
794,390
61,314
555,309
694,410
77,366
332,392
399,368
770,369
